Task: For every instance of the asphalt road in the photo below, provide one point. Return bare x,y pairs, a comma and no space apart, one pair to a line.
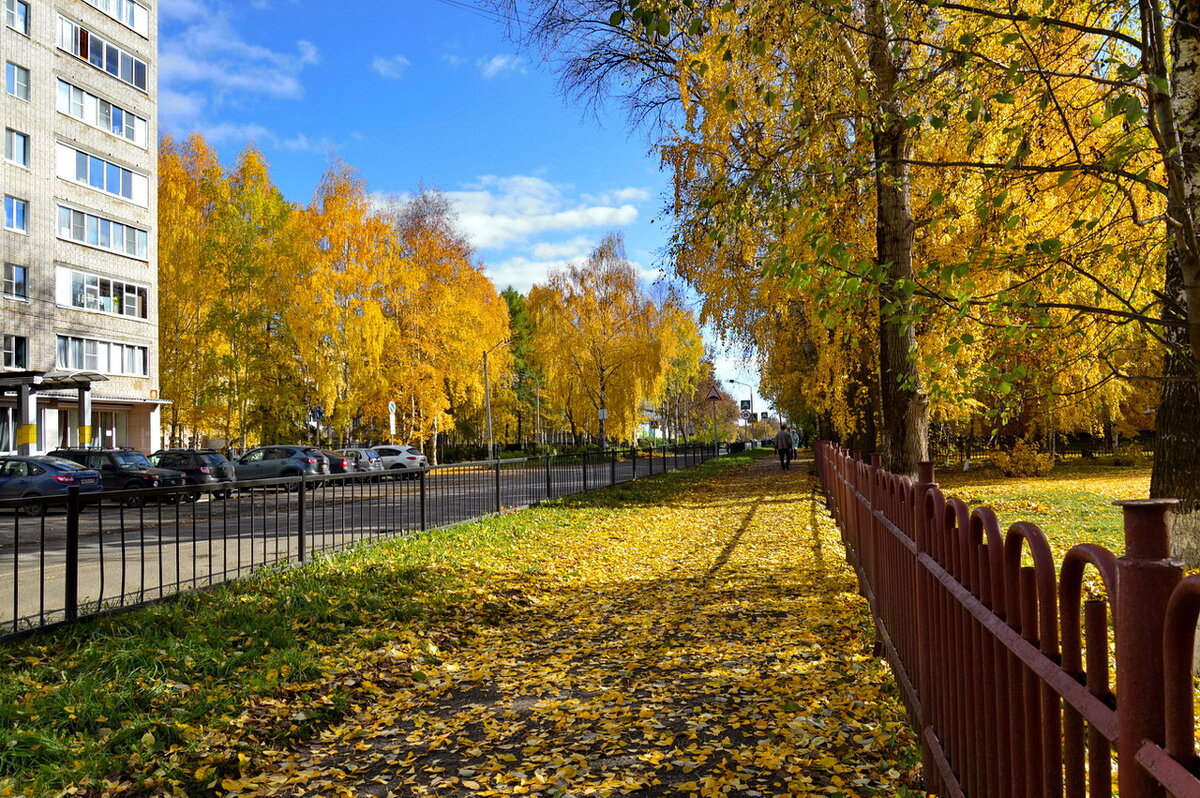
133,555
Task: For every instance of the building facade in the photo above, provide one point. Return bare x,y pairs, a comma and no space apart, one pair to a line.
79,180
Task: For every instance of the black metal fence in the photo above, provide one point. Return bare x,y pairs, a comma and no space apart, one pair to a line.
62,560
959,448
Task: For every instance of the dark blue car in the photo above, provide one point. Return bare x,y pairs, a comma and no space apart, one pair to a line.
27,477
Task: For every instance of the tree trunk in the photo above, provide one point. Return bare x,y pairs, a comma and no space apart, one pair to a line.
1176,472
905,433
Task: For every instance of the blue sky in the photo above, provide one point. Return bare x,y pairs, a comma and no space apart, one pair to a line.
411,93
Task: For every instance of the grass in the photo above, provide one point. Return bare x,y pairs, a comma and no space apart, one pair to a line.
1073,504
169,699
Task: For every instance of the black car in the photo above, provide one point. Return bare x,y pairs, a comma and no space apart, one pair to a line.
124,469
207,468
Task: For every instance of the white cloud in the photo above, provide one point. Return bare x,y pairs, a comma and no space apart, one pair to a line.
522,219
499,64
523,273
241,135
309,54
181,9
577,247
392,67
181,107
617,196
210,54
502,211
453,60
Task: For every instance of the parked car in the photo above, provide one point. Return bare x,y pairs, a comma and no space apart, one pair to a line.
125,469
272,462
323,464
337,462
364,461
206,468
29,477
407,460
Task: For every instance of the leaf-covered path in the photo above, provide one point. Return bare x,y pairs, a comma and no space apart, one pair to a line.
715,646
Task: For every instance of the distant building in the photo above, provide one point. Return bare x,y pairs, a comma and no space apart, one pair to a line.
78,306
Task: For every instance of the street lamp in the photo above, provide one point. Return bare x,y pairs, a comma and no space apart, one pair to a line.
487,395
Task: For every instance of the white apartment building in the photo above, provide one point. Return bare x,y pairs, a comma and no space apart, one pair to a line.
79,297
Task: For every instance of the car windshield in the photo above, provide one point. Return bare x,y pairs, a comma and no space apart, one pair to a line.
64,465
131,460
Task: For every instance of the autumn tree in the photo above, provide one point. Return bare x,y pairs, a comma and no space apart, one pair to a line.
599,340
446,313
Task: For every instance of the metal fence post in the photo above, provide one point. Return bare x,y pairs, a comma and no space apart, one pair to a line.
549,482
303,499
424,512
499,506
71,587
583,458
612,469
1147,577
634,475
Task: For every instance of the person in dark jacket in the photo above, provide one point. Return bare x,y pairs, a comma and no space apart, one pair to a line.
784,448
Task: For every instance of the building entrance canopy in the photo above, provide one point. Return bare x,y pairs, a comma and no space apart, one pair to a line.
26,384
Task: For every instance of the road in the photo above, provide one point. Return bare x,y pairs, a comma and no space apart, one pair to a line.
132,555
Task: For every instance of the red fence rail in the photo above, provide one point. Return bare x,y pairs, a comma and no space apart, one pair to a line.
1004,666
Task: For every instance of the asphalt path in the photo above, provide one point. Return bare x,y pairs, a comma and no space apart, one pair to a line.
129,556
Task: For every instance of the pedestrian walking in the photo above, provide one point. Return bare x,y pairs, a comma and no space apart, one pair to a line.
795,440
784,447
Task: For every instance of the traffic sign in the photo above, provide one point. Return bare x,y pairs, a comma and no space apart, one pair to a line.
714,395
746,415
391,407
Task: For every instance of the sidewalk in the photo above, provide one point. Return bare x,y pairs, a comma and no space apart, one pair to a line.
712,647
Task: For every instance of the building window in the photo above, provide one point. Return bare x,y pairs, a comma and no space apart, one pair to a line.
16,352
85,45
16,80
89,170
16,15
16,214
92,292
95,231
74,101
128,13
85,354
16,285
16,147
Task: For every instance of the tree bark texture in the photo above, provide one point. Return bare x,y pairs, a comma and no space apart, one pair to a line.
1176,471
905,433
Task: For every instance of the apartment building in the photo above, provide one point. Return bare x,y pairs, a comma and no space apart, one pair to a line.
78,306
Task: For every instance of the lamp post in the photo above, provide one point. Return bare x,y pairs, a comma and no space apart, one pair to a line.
487,394
744,385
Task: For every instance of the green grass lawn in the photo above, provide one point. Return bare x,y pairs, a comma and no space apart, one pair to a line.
1073,504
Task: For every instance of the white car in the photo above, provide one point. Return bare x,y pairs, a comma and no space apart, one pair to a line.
408,459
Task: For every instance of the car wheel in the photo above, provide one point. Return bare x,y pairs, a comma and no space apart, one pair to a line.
33,509
291,487
135,500
194,496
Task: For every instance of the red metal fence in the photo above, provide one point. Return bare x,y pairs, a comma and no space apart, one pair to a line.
1005,666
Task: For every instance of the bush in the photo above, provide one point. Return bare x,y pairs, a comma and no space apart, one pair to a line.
1023,460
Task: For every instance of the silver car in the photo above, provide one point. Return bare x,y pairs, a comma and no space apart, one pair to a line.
403,461
363,461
